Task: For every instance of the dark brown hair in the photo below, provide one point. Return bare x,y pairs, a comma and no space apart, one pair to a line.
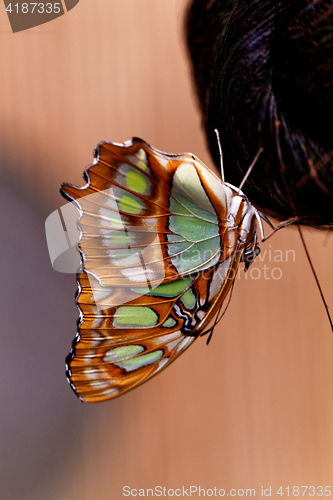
263,72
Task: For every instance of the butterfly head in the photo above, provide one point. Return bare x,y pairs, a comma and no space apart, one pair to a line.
243,215
250,253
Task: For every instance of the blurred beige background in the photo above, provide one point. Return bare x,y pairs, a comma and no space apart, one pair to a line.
255,407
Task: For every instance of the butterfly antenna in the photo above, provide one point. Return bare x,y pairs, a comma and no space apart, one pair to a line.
220,150
217,318
249,170
315,277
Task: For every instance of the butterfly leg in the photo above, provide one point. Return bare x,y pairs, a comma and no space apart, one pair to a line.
282,224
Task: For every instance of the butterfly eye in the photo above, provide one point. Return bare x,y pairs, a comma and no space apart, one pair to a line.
249,254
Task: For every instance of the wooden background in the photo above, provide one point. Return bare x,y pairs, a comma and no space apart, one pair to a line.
253,409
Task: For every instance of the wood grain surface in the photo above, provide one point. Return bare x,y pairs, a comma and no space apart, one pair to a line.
255,407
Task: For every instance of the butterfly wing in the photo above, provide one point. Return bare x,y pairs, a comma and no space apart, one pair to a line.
159,252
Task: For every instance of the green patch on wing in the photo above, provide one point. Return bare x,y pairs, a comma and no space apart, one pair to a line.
182,204
139,361
169,323
195,244
129,203
201,240
120,238
168,290
189,299
135,316
122,352
142,165
188,189
136,181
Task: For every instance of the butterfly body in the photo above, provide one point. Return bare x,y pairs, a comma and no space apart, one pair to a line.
161,241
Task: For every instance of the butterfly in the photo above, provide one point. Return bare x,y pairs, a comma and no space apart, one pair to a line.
161,240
